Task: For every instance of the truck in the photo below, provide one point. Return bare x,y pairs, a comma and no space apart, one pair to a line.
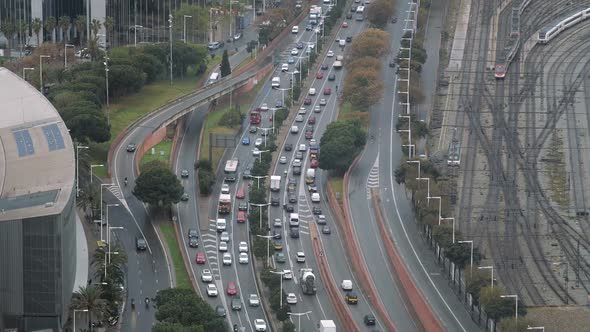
310,176
275,183
231,169
307,281
337,64
224,206
327,326
315,14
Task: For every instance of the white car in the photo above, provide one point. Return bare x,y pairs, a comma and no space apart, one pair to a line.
315,197
283,160
224,236
287,274
313,142
298,118
300,257
264,107
225,188
330,54
346,285
291,298
222,246
212,290
253,300
243,246
285,67
317,109
243,259
302,111
302,147
258,142
227,258
294,51
312,91
206,275
297,163
295,29
277,223
260,325
255,152
294,129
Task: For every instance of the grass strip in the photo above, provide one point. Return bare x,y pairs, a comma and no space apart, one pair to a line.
182,279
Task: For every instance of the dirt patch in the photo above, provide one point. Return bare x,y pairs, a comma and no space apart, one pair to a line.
563,319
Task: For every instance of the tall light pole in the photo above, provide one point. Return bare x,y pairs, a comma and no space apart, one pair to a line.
260,206
25,70
260,152
109,237
170,27
66,54
184,33
299,314
292,73
91,167
453,219
78,147
41,57
102,185
267,237
490,267
281,273
74,321
265,131
516,302
542,328
258,177
109,227
471,259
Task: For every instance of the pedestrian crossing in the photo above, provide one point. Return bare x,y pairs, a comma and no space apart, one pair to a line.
116,191
373,179
209,241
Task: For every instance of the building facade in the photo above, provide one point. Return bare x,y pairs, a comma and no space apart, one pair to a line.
37,210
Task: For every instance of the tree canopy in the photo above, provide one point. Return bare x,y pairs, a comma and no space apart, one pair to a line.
371,42
225,66
363,87
379,12
158,186
340,144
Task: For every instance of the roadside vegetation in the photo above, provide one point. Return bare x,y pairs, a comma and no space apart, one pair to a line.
180,272
157,185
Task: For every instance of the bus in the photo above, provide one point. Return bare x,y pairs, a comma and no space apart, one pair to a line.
224,206
255,116
231,169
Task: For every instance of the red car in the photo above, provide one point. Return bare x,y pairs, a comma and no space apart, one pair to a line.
314,163
311,120
344,25
231,288
307,101
201,258
241,217
308,135
319,75
241,192
327,91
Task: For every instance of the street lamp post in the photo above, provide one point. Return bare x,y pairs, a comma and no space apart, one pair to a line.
281,273
170,26
108,226
265,131
260,206
184,29
490,267
74,321
109,236
258,177
453,219
267,237
542,328
106,74
299,314
78,147
66,54
41,57
102,185
516,309
91,167
471,256
260,154
24,71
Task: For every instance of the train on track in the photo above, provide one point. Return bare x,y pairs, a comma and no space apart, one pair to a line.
563,23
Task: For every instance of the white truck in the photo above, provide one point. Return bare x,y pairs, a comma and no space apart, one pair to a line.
315,14
275,183
327,326
307,281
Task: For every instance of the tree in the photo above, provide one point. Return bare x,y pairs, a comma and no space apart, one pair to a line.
367,62
340,144
475,281
497,307
231,118
182,307
196,26
50,25
225,66
371,42
89,298
36,26
443,234
158,187
288,326
23,31
379,12
460,254
363,87
86,123
89,201
8,29
64,24
109,26
80,24
95,27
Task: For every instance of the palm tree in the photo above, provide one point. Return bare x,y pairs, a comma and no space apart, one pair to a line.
80,24
89,200
93,47
89,298
23,31
8,28
37,25
64,24
95,27
50,25
109,25
117,261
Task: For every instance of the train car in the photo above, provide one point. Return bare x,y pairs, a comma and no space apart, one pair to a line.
504,60
515,25
567,21
454,156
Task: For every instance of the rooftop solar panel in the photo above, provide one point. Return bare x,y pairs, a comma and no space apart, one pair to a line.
24,143
54,138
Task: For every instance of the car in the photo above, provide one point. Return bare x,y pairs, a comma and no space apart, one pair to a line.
243,258
300,257
308,135
296,163
241,193
285,67
277,244
351,298
193,233
253,300
206,276
302,147
330,54
345,25
131,147
253,130
243,247
349,16
327,91
287,274
220,311
312,188
294,130
321,219
295,29
291,60
299,155
332,77
291,298
226,258
316,210
369,320
294,51
319,75
299,46
298,118
283,160
289,146
346,285
349,39
255,152
278,104
242,216
193,242
292,184
184,197
280,257
212,290
236,304
394,19
315,198
311,120
260,325
231,288
241,208
184,173
294,232
140,244
313,142
314,163
275,201
308,27
302,111
201,258
292,198
246,140
289,208
213,46
222,246
324,66
237,35
225,188
317,109
311,91
247,173
258,142
307,101
264,107
277,223
224,236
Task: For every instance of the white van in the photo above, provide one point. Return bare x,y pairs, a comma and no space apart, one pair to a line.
315,197
276,82
220,225
294,220
213,78
300,257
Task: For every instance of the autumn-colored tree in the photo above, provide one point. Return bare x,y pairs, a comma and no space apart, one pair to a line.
365,62
379,12
371,42
363,87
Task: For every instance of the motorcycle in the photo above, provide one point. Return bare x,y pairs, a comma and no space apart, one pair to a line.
147,302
